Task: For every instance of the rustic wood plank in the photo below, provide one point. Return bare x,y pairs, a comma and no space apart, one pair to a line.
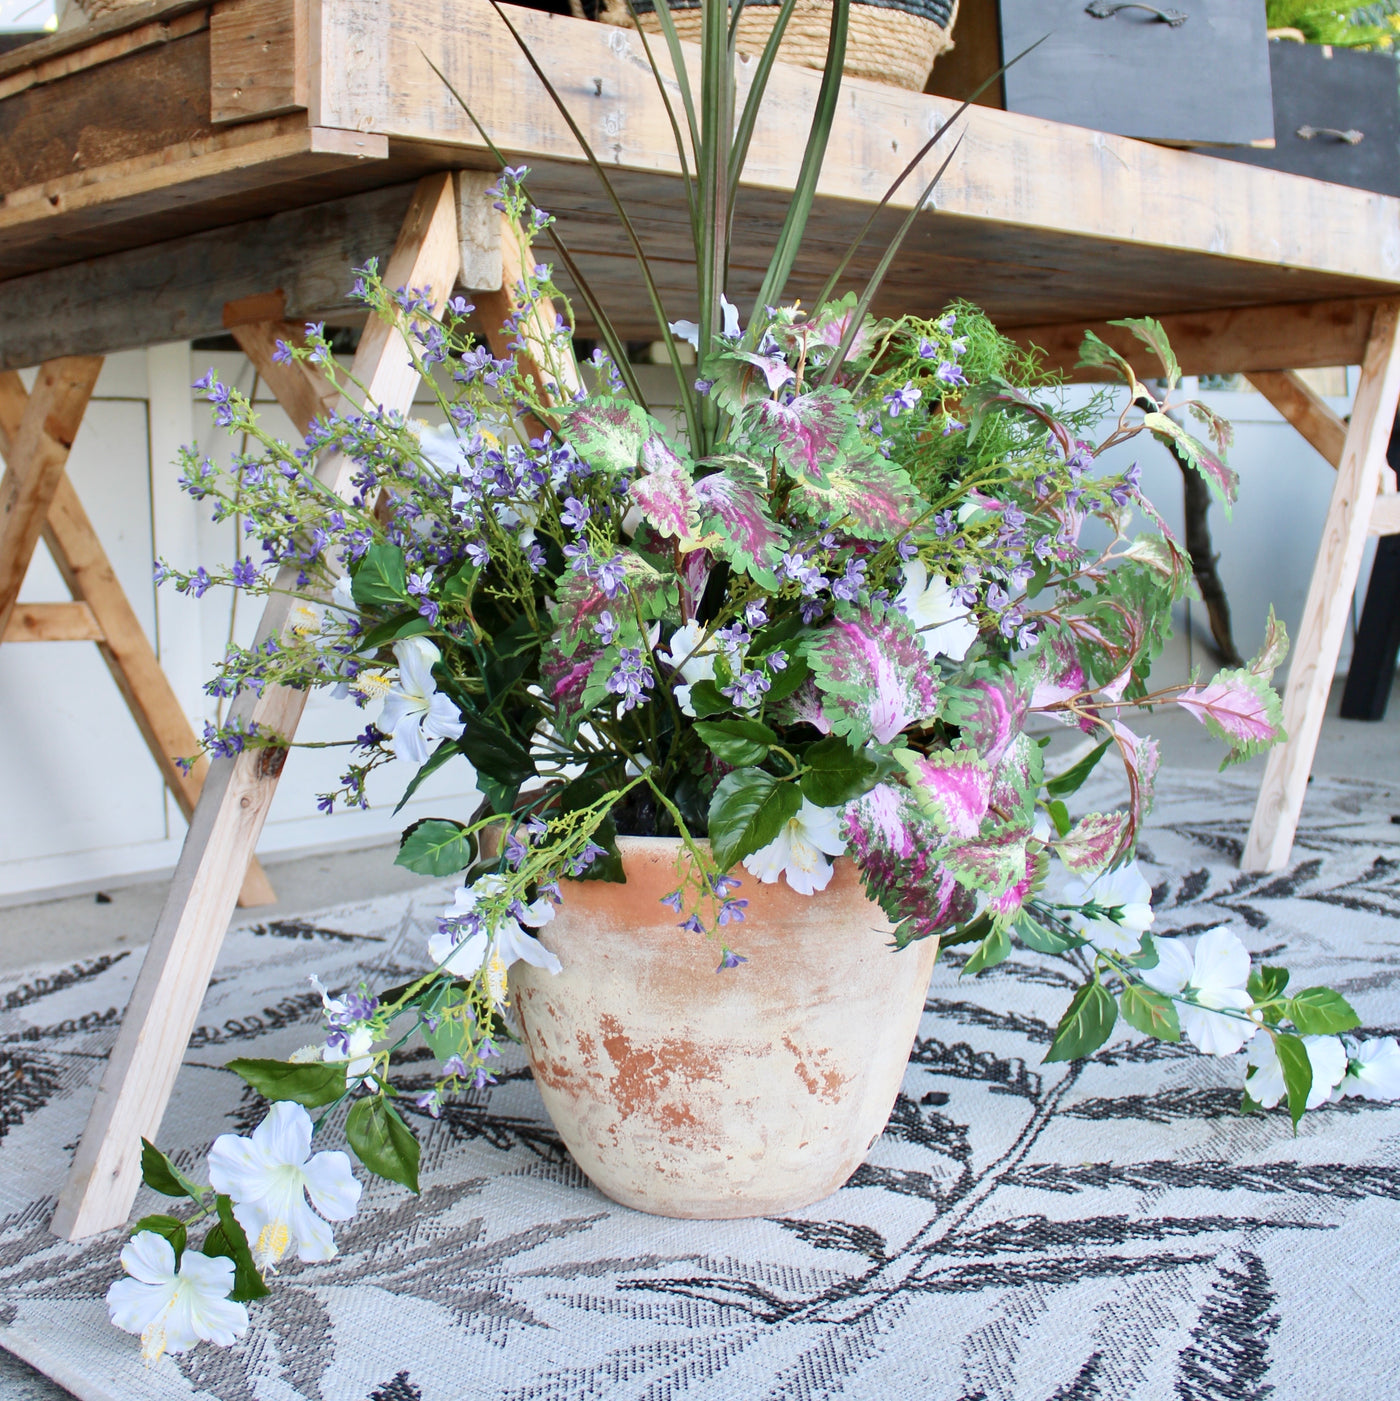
50,70
257,59
224,831
36,462
479,229
39,53
1305,409
1241,340
1328,607
1385,514
178,290
207,169
53,622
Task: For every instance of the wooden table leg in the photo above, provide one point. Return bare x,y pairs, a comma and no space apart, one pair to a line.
229,816
1328,607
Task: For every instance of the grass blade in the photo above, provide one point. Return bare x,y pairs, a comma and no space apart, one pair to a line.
616,348
687,394
743,133
804,192
673,46
690,193
835,278
878,276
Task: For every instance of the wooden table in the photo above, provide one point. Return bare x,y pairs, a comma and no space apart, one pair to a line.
195,166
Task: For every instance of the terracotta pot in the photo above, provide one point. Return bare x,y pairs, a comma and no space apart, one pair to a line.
686,1092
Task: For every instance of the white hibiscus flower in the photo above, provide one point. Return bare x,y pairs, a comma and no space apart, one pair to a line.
1214,978
415,711
506,939
270,1175
945,626
800,850
174,1308
1265,1084
1124,890
693,655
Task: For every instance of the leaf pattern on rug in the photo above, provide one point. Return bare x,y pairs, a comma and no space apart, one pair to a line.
1020,1232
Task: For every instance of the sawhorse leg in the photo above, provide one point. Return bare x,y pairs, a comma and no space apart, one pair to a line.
1354,512
36,434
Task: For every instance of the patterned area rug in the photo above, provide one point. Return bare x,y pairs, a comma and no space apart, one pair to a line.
1110,1229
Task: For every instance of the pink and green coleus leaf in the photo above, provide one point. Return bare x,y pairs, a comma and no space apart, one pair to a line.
1095,842
874,676
865,496
993,862
1222,479
734,519
1017,779
1271,654
896,848
608,433
667,497
581,604
809,435
1141,756
1240,708
989,715
951,787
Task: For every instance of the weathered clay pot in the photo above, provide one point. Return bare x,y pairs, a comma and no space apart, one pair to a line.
686,1092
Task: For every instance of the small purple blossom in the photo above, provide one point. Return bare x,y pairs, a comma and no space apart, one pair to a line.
902,399
729,959
631,678
244,575
944,523
431,1102
755,614
455,1066
575,513
732,911
606,627
691,923
674,900
612,576
950,374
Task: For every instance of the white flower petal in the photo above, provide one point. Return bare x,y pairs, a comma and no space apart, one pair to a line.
1328,1058
1265,1084
407,740
1174,967
285,1134
149,1257
238,1168
1222,961
133,1306
1374,1070
331,1185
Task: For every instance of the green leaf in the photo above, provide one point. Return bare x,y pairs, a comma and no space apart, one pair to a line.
390,630
1150,1012
992,950
1073,779
495,753
836,773
785,682
1086,1025
1154,337
381,580
171,1227
228,1240
436,847
457,588
737,742
446,750
161,1175
1059,815
1297,1073
747,812
1037,936
382,1141
1320,1012
1267,983
705,699
310,1084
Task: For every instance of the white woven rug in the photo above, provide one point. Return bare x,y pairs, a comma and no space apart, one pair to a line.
1021,1232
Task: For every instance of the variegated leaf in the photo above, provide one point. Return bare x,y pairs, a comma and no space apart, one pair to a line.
1274,649
992,863
1240,708
808,435
1222,479
869,497
667,498
874,675
951,787
989,715
1094,842
608,433
734,519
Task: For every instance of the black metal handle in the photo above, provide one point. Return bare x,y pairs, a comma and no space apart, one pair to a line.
1351,136
1106,9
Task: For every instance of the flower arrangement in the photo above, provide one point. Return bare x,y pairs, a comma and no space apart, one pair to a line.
830,607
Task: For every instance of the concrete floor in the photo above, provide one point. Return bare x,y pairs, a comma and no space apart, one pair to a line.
78,926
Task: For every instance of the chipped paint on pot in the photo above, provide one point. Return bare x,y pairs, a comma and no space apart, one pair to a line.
686,1092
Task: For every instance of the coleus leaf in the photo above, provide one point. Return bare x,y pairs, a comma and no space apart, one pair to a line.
666,495
989,715
1141,757
608,433
951,787
581,604
1274,649
871,498
1016,780
1095,353
1094,842
734,520
1240,708
1222,479
993,863
1154,337
809,435
874,676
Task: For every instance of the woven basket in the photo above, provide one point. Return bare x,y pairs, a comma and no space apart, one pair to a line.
889,41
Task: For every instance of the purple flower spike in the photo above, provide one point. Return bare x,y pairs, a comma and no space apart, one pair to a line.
730,959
